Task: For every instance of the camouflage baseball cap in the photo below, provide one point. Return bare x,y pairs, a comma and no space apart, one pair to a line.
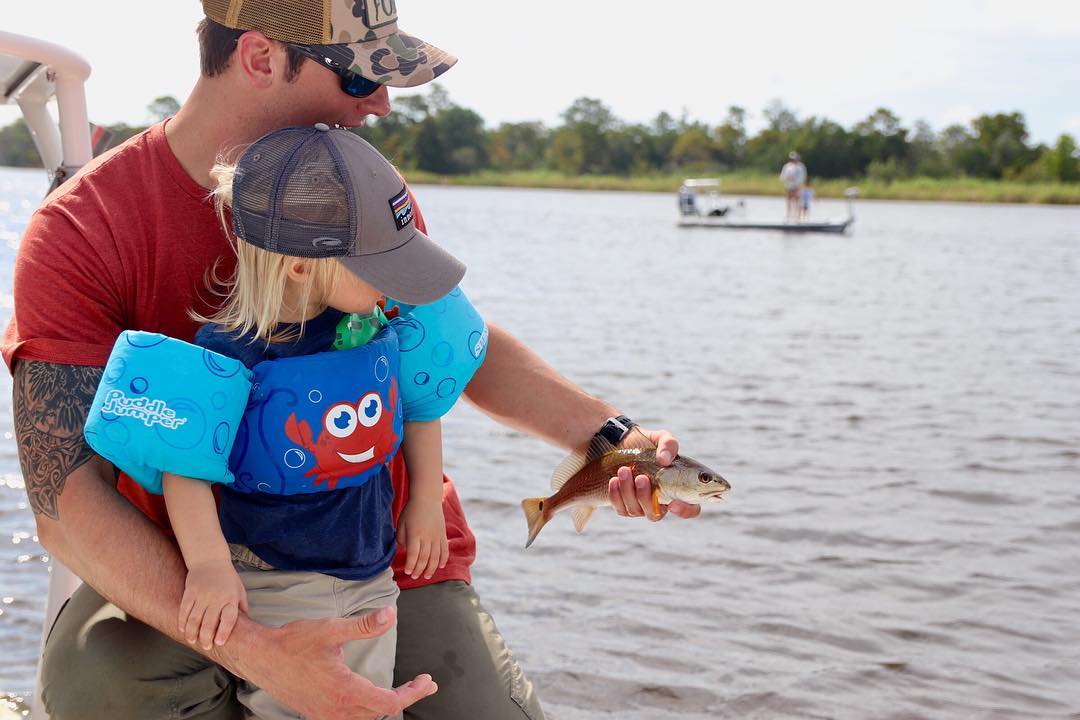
361,35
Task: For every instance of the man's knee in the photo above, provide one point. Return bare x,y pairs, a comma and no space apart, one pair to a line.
444,630
100,663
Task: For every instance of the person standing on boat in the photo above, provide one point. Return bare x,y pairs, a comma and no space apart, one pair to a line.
793,175
806,198
126,244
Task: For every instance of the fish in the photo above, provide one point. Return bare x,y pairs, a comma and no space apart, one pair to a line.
580,483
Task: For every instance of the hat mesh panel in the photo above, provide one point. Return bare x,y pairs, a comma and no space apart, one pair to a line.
253,186
314,205
289,197
216,10
296,21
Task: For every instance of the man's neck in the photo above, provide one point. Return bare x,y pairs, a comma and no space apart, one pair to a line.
211,125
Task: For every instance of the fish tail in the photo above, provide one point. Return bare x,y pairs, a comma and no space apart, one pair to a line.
534,516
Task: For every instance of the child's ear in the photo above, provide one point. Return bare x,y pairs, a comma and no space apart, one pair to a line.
298,269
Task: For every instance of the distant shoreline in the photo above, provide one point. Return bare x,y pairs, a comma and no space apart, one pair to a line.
924,189
917,189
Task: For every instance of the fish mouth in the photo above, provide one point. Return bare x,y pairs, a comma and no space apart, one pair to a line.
359,457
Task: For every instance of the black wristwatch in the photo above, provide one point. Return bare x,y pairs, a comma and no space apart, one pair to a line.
616,428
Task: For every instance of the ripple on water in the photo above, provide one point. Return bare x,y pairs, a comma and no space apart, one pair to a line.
976,497
615,697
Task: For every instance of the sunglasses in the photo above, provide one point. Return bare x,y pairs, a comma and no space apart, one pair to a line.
352,84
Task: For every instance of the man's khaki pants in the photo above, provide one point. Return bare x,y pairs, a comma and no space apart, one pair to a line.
101,664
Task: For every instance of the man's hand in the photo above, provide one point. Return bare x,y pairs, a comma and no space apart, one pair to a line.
632,496
302,666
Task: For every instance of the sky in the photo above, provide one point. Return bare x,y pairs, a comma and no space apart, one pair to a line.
940,61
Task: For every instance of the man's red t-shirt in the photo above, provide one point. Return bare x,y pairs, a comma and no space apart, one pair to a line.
127,245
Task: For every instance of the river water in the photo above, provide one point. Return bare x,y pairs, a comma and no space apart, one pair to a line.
898,411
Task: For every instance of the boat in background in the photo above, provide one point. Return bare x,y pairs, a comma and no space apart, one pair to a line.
700,197
32,74
701,205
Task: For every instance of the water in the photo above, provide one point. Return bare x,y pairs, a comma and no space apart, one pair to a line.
898,411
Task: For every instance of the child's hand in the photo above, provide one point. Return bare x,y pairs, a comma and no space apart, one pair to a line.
422,531
208,611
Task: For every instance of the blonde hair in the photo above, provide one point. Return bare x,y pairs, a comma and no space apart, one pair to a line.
253,297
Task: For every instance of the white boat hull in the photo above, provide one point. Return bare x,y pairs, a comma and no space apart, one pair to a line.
824,226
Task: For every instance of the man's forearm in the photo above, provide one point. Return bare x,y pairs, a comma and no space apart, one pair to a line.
517,388
81,518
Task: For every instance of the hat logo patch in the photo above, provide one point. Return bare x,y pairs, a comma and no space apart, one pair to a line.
401,207
325,242
380,12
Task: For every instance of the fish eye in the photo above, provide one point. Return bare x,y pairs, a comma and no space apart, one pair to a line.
704,477
370,409
341,420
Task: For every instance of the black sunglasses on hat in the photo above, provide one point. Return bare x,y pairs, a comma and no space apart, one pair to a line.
352,84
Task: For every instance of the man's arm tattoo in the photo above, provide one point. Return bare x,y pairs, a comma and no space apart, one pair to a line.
50,403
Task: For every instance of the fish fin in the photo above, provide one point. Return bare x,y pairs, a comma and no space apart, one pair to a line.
578,459
534,516
566,469
656,501
581,517
597,447
637,439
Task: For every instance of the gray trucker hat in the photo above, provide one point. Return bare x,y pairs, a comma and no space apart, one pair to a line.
318,192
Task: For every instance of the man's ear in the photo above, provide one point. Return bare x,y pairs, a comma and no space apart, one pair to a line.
255,55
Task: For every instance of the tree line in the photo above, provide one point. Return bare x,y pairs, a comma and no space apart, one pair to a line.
432,133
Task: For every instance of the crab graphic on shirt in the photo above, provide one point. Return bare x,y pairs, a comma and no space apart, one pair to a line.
353,437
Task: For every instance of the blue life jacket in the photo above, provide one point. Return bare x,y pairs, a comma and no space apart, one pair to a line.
322,421
289,425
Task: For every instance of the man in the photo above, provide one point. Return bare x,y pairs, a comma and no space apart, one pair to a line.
793,175
127,244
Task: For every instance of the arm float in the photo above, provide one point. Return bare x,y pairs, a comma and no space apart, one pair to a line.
166,405
442,345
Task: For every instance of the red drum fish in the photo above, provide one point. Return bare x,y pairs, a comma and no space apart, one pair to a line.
580,483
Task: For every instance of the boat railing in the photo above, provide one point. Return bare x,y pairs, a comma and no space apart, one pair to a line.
47,71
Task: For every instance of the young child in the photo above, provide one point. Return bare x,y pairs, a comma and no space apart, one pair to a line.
324,228
806,196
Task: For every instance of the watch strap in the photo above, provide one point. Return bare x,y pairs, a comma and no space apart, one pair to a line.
616,428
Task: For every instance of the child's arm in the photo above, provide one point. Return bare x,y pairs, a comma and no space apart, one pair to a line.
213,590
422,528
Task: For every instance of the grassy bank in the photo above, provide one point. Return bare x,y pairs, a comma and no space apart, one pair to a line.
954,190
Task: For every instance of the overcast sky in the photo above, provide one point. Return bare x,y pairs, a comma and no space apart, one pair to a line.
942,61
